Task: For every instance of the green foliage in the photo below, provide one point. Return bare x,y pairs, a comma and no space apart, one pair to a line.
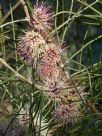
79,23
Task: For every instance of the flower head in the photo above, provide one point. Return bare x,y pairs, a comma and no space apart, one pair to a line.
31,46
52,55
67,114
76,95
42,17
53,86
47,70
49,63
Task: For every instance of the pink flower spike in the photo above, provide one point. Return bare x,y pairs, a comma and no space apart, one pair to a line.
52,55
42,17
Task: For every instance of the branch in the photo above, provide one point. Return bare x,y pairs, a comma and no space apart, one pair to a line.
25,9
9,12
92,107
15,21
14,7
20,76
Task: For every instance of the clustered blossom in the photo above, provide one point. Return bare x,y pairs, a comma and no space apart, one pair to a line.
54,84
31,46
47,70
45,58
48,66
73,95
42,17
68,113
52,55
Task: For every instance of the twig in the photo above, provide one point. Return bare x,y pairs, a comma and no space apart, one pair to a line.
15,21
9,12
94,110
14,7
20,76
25,9
92,107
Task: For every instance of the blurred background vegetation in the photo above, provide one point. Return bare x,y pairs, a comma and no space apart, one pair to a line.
79,24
